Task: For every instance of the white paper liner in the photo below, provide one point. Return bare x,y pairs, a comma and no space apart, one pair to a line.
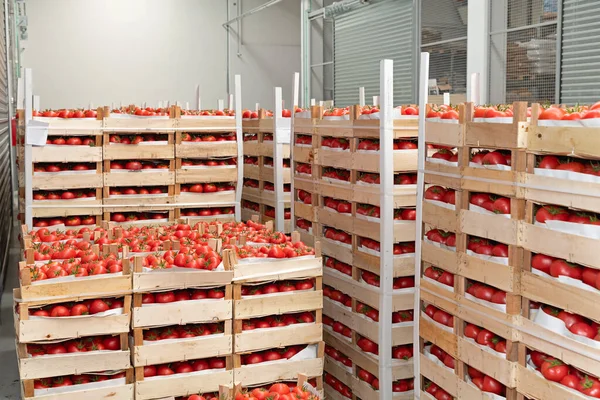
565,280
440,245
143,171
348,246
137,196
303,175
486,348
427,353
192,194
131,116
339,150
308,353
154,143
497,167
180,340
332,180
499,307
53,356
107,313
497,260
337,118
75,199
556,325
481,210
75,388
499,120
184,375
49,119
444,327
486,395
303,145
66,173
585,230
378,254
568,175
303,114
442,204
310,231
213,143
580,123
201,167
439,284
207,117
443,121
175,269
273,294
442,161
148,222
72,278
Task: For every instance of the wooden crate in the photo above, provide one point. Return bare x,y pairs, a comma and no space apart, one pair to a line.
65,208
39,329
117,151
117,391
48,366
139,178
205,174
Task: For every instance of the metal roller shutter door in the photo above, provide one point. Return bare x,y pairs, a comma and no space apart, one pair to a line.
5,149
580,64
363,37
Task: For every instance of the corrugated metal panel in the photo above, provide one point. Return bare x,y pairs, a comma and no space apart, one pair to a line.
367,35
580,66
5,148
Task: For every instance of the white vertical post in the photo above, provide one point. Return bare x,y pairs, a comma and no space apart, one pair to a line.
91,106
376,101
295,96
478,44
220,104
256,107
160,104
198,102
21,94
361,96
240,149
187,105
278,161
474,95
447,99
36,103
313,102
386,227
423,94
28,97
230,104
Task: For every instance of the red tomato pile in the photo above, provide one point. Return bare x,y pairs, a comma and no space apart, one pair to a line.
249,114
207,113
250,205
338,356
304,196
370,178
72,141
336,112
485,338
579,165
441,355
267,137
442,111
335,143
285,250
70,380
127,191
303,168
272,355
207,187
404,214
208,163
575,323
437,392
402,385
68,221
63,167
270,211
304,139
442,237
341,206
438,193
278,321
183,295
184,367
66,113
557,213
64,194
250,137
555,370
206,212
277,391
402,282
94,343
268,161
83,263
439,316
197,137
486,292
496,157
557,267
251,183
486,383
335,173
135,139
279,287
337,385
492,203
87,307
575,113
139,165
487,247
248,160
446,155
337,326
183,331
46,236
367,345
344,268
439,275
404,179
403,352
303,224
337,235
337,296
373,144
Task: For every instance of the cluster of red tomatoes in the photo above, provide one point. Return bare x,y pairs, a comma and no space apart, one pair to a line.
207,187
68,221
337,326
251,183
277,391
250,205
571,114
249,160
401,385
267,137
283,250
72,141
373,144
209,113
206,212
173,296
270,212
337,235
337,296
199,257
338,356
576,324
279,287
336,112
486,292
555,370
88,263
558,267
406,110
135,139
486,383
184,367
64,194
556,213
225,137
439,316
492,203
487,247
142,112
581,166
139,165
403,179
66,113
341,206
70,380
367,345
335,173
116,191
272,355
446,155
86,307
209,163
442,237
485,338
437,392
278,321
304,139
335,143
401,282
304,196
93,343
332,263
399,248
337,385
303,224
439,193
304,168
250,137
441,355
268,162
62,167
182,331
439,275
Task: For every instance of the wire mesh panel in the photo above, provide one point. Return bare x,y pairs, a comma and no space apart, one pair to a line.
580,69
523,55
444,37
365,36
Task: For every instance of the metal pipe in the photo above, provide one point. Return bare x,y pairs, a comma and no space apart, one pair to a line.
253,11
557,80
228,67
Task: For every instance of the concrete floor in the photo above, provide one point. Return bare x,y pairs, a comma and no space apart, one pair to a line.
9,378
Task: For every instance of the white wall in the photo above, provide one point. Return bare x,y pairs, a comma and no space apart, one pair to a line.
132,51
